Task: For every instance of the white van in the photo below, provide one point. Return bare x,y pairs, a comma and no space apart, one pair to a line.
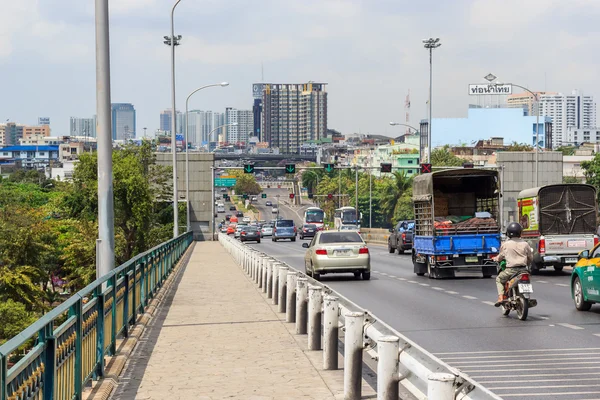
220,208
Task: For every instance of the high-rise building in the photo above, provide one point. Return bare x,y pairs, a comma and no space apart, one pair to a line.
568,111
201,124
239,134
83,127
165,121
525,100
292,114
123,121
10,133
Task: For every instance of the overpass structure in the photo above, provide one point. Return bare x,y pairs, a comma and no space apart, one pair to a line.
265,157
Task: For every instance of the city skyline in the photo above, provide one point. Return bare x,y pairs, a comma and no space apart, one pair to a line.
370,55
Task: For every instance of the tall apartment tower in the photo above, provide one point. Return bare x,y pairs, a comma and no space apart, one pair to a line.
123,121
291,114
574,111
239,134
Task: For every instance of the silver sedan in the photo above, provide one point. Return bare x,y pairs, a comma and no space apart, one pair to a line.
337,252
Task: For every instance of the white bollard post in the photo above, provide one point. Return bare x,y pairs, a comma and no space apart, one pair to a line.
290,306
275,299
259,276
283,271
353,349
270,279
440,386
387,368
265,269
301,305
315,305
330,333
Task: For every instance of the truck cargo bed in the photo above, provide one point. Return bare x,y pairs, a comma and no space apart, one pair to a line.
457,244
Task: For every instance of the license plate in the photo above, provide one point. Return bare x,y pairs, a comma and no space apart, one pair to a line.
571,260
471,259
525,288
342,252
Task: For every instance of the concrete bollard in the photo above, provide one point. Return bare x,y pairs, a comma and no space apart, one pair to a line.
270,279
353,350
301,305
265,270
275,299
440,386
282,282
330,332
315,305
290,306
259,276
387,368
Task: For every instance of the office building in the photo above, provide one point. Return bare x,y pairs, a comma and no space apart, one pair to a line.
526,101
85,127
201,124
240,133
568,111
10,133
123,121
291,114
165,121
579,136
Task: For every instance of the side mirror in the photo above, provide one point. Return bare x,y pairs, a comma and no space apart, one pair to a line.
305,245
584,254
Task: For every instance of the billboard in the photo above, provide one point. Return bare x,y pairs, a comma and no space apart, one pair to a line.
528,211
257,90
43,120
479,89
179,140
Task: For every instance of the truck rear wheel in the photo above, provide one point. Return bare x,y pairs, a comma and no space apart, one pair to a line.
431,271
419,268
390,248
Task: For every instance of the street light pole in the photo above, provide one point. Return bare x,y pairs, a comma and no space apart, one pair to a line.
430,44
173,41
106,216
400,124
187,161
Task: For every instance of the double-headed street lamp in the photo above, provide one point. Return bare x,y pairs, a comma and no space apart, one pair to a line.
430,44
187,161
401,124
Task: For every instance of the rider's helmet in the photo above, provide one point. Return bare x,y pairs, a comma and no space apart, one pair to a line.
513,230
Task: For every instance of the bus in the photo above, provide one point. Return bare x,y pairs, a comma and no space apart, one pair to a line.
345,216
315,216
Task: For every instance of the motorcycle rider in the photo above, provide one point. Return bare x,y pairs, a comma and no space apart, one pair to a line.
518,255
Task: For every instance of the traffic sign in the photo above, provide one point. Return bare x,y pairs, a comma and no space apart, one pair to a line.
225,182
291,195
264,195
249,168
330,196
290,168
425,168
227,176
385,167
329,167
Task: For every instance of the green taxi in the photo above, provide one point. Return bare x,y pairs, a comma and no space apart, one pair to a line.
585,279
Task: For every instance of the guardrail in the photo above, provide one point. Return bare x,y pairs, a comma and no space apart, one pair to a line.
66,348
320,312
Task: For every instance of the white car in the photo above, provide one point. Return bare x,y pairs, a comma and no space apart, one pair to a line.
246,219
275,210
238,229
266,230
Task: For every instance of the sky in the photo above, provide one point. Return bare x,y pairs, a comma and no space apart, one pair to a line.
369,52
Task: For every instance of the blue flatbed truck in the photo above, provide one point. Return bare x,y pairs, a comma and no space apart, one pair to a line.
468,197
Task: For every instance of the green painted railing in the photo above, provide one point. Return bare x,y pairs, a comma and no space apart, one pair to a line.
61,360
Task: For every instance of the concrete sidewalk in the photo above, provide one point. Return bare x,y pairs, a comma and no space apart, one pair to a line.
217,337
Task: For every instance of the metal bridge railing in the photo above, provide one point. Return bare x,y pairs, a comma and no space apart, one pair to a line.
66,348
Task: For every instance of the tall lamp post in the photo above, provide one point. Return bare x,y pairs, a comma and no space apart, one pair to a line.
537,126
173,41
430,44
187,161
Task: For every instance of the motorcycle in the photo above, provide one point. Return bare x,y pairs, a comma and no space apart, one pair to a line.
517,292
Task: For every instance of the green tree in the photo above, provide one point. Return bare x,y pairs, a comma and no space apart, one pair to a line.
514,146
567,150
392,191
591,172
246,184
570,179
443,157
14,318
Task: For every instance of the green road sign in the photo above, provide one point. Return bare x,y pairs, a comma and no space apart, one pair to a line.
290,168
249,168
264,195
225,182
329,167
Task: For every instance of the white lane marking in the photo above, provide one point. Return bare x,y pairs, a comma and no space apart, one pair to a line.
412,282
529,360
570,326
518,351
451,292
525,365
489,303
546,394
544,317
437,288
470,297
541,281
521,356
393,276
384,274
535,368
533,375
537,380
401,279
424,284
597,334
542,387
562,284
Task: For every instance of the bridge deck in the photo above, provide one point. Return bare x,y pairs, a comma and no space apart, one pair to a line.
217,337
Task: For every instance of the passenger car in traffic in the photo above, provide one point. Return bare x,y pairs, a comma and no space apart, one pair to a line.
266,230
284,229
275,210
268,203
585,279
246,219
232,208
350,228
308,230
250,233
231,229
401,237
238,230
337,252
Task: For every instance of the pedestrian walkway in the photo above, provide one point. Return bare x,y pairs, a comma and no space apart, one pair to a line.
217,337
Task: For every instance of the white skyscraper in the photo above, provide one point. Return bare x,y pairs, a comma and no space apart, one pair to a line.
574,111
83,127
244,128
201,124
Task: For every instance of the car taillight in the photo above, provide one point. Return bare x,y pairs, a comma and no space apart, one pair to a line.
442,258
403,236
542,246
321,252
295,230
304,230
363,250
595,240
